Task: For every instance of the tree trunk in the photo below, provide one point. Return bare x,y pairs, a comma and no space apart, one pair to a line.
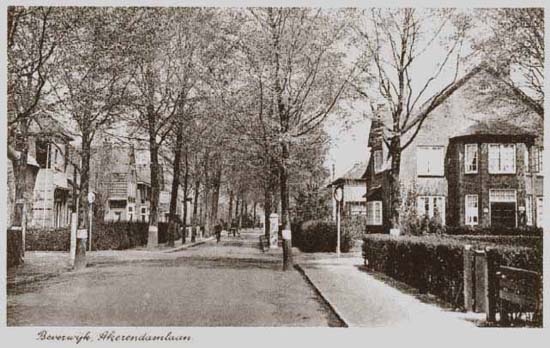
195,217
84,182
173,222
20,171
285,216
185,193
152,240
230,215
206,194
215,195
241,212
254,215
237,207
395,187
267,209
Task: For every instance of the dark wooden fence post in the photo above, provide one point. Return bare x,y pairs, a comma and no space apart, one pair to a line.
468,279
491,277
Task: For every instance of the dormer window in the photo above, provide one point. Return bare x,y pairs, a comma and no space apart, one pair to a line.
378,161
470,158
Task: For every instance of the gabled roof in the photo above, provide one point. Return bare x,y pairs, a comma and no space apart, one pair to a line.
354,173
47,127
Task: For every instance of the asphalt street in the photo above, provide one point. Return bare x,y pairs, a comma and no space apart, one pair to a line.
227,284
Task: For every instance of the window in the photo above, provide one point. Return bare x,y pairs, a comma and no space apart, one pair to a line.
356,208
502,158
429,161
529,210
378,160
429,205
537,160
540,206
144,217
374,213
472,210
526,160
470,158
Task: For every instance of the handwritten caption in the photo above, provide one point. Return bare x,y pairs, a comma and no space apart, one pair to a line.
110,336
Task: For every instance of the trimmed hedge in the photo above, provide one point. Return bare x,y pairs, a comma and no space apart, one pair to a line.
58,239
435,264
523,241
493,231
355,225
105,236
319,236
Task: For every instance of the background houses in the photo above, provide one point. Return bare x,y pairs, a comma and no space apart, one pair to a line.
354,189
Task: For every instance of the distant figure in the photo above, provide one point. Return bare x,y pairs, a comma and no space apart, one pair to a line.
218,232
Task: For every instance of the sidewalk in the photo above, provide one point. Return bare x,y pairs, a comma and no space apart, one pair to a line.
360,300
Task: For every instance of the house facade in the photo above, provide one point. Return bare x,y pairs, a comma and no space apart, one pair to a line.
50,159
470,163
121,179
354,188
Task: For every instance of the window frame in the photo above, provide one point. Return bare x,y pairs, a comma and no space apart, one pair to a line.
374,206
467,161
538,163
529,210
432,204
441,149
468,209
378,164
500,147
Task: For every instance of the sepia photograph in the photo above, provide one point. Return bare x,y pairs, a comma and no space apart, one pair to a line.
272,166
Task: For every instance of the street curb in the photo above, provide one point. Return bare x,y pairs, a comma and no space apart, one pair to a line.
332,307
187,246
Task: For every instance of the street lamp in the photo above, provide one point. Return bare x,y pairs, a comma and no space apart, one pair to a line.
338,196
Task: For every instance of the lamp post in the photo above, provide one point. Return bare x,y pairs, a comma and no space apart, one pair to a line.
338,195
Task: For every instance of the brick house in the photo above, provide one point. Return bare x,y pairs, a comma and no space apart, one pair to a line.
354,189
471,163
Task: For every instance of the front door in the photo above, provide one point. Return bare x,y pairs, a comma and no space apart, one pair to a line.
503,214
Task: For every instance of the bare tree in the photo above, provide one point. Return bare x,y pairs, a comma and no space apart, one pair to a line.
393,42
515,40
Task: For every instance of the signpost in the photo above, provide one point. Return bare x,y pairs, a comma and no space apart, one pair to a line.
91,200
338,196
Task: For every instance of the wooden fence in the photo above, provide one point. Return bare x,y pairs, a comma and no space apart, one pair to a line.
494,289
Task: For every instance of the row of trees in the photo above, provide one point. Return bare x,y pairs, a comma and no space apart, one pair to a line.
236,99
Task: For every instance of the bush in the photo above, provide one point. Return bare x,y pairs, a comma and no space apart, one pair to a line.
434,264
319,236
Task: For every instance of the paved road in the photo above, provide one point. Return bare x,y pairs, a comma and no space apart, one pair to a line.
226,284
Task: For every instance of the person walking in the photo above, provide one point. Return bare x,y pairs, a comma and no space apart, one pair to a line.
218,231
